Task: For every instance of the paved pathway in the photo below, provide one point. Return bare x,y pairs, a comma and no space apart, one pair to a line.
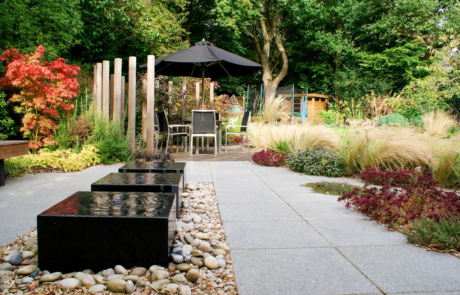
287,240
284,238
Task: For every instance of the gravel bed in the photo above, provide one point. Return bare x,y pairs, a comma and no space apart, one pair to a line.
201,262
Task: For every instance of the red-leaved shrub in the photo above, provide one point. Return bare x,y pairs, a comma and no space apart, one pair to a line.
372,175
397,207
269,158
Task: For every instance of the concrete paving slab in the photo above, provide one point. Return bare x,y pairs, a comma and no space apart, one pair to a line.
318,211
257,212
276,235
249,197
355,232
306,197
12,228
406,268
297,271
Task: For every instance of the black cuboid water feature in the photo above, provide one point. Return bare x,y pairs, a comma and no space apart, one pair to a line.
98,230
143,182
154,167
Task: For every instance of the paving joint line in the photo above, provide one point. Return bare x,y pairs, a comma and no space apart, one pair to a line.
346,258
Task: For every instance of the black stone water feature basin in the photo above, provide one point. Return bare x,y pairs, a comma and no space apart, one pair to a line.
155,167
98,230
142,182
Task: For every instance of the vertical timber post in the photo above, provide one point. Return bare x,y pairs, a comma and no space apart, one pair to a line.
150,103
197,107
117,90
95,85
247,100
111,100
98,94
292,105
170,94
132,103
211,107
184,99
105,88
123,97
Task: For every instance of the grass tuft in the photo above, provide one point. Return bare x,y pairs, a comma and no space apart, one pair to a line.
331,188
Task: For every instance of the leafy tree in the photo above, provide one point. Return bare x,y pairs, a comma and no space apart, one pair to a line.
265,24
121,28
45,89
25,24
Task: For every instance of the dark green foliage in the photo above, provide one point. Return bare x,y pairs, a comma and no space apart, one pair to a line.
317,161
331,188
7,125
25,24
442,235
393,120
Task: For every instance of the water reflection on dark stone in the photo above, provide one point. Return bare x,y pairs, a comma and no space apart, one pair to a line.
114,204
133,178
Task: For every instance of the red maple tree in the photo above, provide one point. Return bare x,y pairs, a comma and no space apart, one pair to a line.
44,88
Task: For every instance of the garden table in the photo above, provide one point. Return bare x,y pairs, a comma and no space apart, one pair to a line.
9,149
219,133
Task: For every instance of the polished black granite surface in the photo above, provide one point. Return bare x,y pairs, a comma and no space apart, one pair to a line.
98,230
142,182
155,167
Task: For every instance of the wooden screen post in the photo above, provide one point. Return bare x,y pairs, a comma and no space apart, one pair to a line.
150,103
98,94
197,107
111,98
170,94
132,103
106,88
211,107
123,97
95,84
117,90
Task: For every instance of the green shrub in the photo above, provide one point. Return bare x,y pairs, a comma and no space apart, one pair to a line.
7,127
317,161
442,235
417,121
331,116
393,120
66,160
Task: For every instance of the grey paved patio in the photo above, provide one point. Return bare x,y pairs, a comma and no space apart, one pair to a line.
284,238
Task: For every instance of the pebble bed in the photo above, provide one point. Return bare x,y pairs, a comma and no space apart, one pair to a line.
201,261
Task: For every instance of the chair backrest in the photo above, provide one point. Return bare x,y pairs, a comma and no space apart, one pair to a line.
203,121
217,116
246,120
161,121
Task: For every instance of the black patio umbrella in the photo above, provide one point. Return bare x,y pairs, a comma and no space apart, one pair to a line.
206,61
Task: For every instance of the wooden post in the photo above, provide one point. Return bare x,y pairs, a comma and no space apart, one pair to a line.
132,103
150,103
111,100
94,84
98,94
170,94
144,108
123,97
211,107
105,88
197,107
211,96
313,107
184,92
117,90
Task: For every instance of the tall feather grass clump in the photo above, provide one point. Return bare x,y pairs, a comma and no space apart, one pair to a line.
384,148
272,108
298,137
437,123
